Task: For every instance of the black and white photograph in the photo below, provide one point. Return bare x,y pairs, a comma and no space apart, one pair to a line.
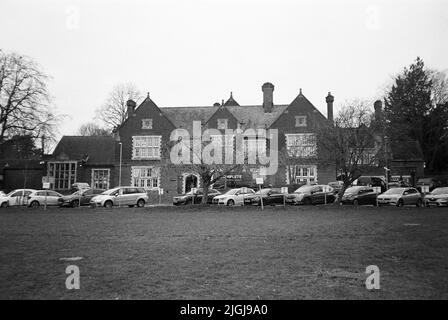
223,155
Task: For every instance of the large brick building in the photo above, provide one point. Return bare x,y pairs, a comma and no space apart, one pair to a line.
135,154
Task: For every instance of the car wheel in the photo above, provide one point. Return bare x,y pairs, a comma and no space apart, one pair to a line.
307,201
355,202
35,204
75,203
230,203
400,203
108,204
140,203
4,204
188,202
419,203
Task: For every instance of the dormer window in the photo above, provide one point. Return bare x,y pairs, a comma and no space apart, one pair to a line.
146,123
300,121
222,124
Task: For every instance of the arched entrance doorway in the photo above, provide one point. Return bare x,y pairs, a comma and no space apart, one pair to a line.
190,181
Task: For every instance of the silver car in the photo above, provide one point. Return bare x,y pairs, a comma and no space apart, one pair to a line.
437,197
121,196
400,197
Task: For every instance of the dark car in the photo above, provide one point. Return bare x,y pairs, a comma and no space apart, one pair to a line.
359,195
270,196
312,194
83,195
195,196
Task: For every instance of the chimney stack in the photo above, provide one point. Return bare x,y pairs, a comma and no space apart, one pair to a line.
378,106
130,104
268,96
329,99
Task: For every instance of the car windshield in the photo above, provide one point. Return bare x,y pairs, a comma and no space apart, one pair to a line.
395,191
232,191
107,192
304,189
440,191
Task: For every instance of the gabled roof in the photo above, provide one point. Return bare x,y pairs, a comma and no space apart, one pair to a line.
183,117
231,101
96,149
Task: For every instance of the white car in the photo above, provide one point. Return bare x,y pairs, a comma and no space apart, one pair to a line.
438,197
233,197
17,197
42,197
121,196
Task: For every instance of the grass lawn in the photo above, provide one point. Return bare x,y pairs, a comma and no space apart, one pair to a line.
224,253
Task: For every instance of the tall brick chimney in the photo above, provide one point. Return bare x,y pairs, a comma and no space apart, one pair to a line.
268,96
378,106
130,104
329,99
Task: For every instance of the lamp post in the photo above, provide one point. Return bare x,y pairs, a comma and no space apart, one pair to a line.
119,171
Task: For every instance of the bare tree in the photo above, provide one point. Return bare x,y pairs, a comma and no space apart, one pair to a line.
351,142
92,129
24,98
114,111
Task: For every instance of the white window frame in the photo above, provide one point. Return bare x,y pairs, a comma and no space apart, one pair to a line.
301,121
141,179
139,145
96,183
301,145
64,179
147,123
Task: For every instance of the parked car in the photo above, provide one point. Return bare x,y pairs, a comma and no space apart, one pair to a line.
432,183
121,196
2,194
400,197
41,197
84,196
438,197
195,196
270,196
359,195
18,197
311,194
233,197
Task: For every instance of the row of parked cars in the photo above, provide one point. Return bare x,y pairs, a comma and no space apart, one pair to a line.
130,196
318,194
305,195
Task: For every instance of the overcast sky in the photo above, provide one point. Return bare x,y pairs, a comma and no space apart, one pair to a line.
190,53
